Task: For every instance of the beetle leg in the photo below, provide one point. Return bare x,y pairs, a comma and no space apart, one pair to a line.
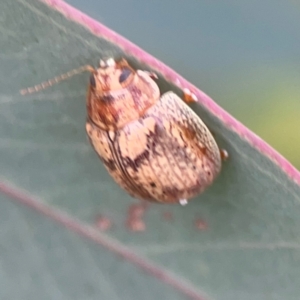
188,96
151,74
183,202
224,154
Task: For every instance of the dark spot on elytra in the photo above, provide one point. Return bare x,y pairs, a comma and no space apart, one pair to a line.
189,133
107,98
136,163
152,184
135,93
171,192
110,164
204,150
158,129
92,81
154,138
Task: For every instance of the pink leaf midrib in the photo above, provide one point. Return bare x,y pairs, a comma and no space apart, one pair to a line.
87,231
232,124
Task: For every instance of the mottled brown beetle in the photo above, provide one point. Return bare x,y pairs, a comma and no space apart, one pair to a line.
154,146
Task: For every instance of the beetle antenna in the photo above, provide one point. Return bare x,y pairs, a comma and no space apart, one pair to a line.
57,79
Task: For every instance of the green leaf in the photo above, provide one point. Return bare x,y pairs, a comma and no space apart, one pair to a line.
238,240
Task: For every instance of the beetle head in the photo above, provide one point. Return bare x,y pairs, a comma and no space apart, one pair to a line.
111,76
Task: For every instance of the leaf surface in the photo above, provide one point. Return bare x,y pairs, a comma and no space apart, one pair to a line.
238,240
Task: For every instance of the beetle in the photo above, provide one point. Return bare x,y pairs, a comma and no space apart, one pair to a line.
154,146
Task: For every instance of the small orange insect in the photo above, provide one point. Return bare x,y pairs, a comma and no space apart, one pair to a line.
153,145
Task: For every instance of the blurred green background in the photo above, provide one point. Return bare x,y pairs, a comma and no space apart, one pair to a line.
244,54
